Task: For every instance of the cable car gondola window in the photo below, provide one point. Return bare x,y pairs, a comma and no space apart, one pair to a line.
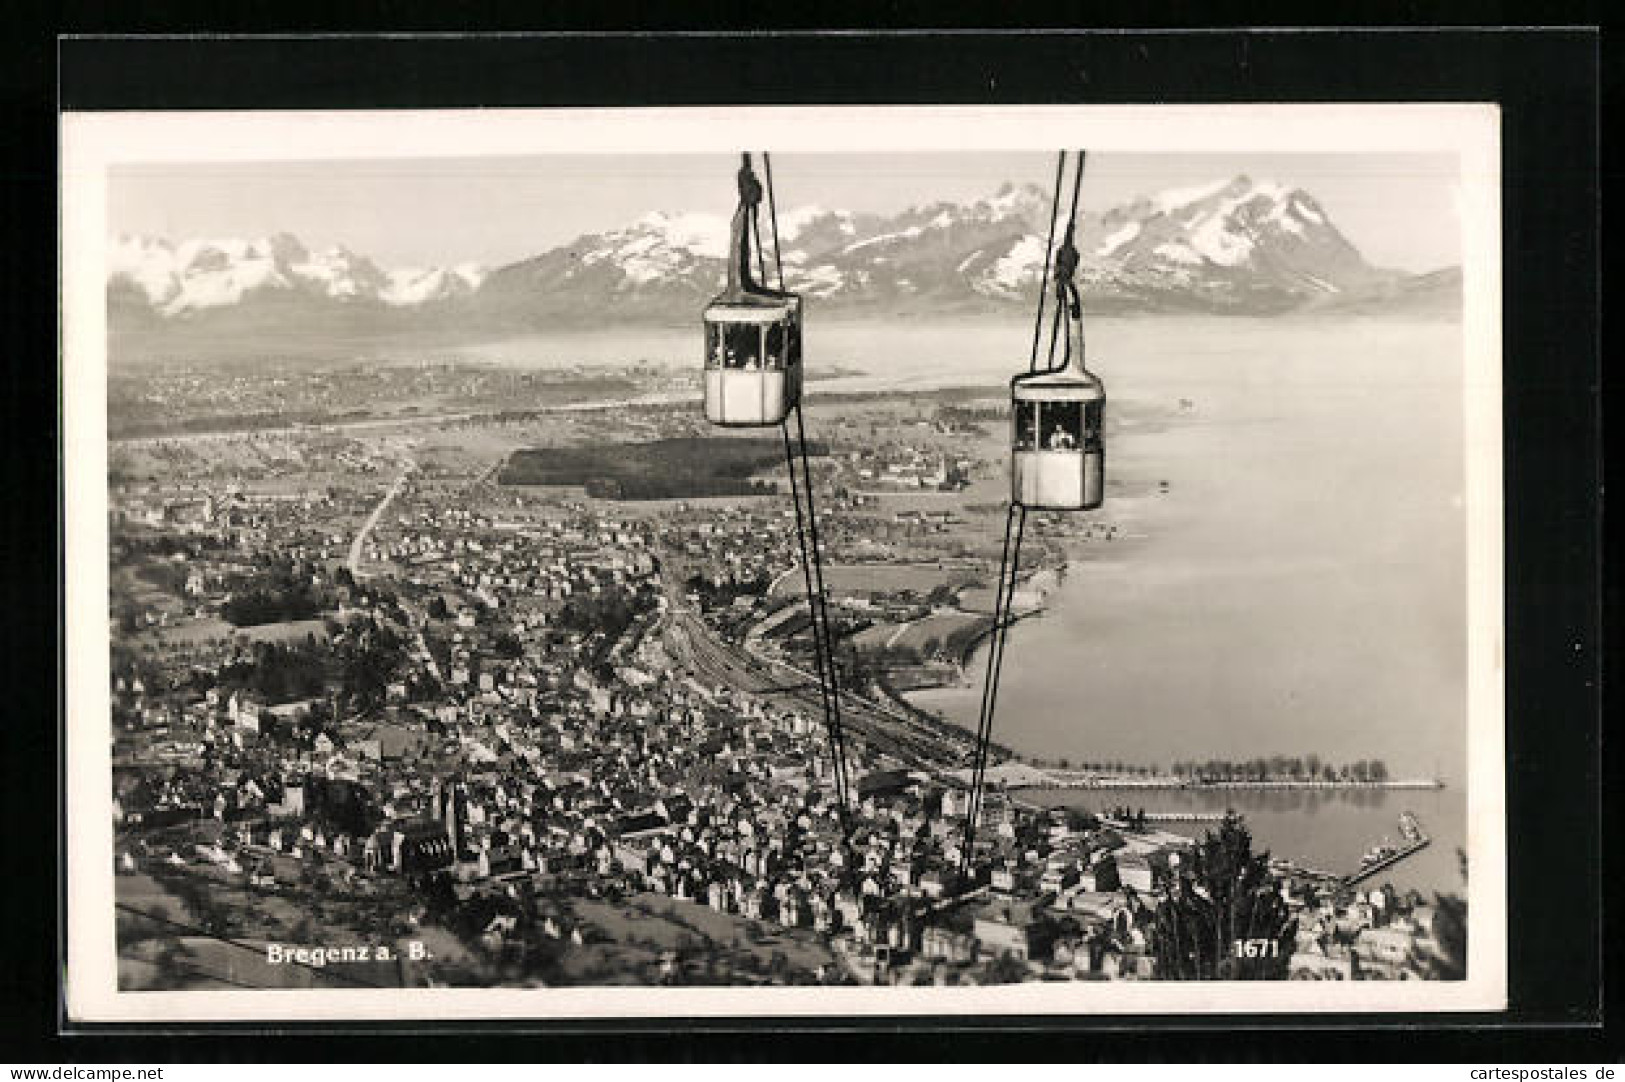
1026,425
1094,413
1062,425
713,346
775,346
744,345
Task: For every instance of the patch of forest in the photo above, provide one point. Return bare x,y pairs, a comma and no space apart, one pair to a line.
682,467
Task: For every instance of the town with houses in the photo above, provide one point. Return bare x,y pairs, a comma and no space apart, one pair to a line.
367,697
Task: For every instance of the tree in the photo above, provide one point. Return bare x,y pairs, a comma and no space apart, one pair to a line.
507,645
369,660
1449,959
439,897
1221,916
212,917
1081,820
174,964
1005,969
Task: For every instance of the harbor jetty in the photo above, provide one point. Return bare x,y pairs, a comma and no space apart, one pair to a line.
1416,839
1184,816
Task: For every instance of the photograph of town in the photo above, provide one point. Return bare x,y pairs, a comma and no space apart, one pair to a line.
453,646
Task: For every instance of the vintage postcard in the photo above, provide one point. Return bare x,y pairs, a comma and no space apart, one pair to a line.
693,562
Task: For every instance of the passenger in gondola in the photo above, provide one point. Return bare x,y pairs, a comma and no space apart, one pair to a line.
1062,440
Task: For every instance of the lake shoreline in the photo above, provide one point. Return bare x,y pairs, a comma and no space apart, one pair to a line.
1178,785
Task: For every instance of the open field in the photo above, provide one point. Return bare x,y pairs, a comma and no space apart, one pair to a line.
370,912
173,951
188,633
283,631
648,924
946,628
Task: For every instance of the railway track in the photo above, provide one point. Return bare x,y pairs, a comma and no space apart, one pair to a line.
894,734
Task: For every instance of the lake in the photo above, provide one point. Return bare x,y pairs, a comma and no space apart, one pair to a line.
1328,831
1299,588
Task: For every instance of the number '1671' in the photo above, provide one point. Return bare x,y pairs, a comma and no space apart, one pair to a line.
1255,948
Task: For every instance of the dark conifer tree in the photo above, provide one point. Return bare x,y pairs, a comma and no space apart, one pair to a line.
1217,909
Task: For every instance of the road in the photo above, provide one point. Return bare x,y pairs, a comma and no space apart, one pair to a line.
360,542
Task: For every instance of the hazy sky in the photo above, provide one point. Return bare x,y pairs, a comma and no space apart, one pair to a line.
1398,209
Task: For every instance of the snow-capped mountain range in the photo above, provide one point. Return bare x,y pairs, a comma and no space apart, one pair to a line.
1235,246
197,274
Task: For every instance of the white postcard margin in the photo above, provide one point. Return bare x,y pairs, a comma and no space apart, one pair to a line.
93,142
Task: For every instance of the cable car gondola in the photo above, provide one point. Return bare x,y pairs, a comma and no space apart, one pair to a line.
1057,449
1058,455
752,332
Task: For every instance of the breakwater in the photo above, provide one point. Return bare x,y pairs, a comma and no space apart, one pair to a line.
1057,782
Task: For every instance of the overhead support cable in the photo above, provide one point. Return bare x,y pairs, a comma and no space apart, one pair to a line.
773,218
801,491
1060,269
828,688
819,600
1003,617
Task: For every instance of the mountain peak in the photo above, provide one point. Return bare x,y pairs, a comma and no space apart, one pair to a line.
1019,201
286,248
704,233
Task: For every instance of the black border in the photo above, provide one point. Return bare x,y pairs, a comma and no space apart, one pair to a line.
1547,83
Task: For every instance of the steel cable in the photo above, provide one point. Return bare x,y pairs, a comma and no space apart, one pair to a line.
1064,264
807,537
